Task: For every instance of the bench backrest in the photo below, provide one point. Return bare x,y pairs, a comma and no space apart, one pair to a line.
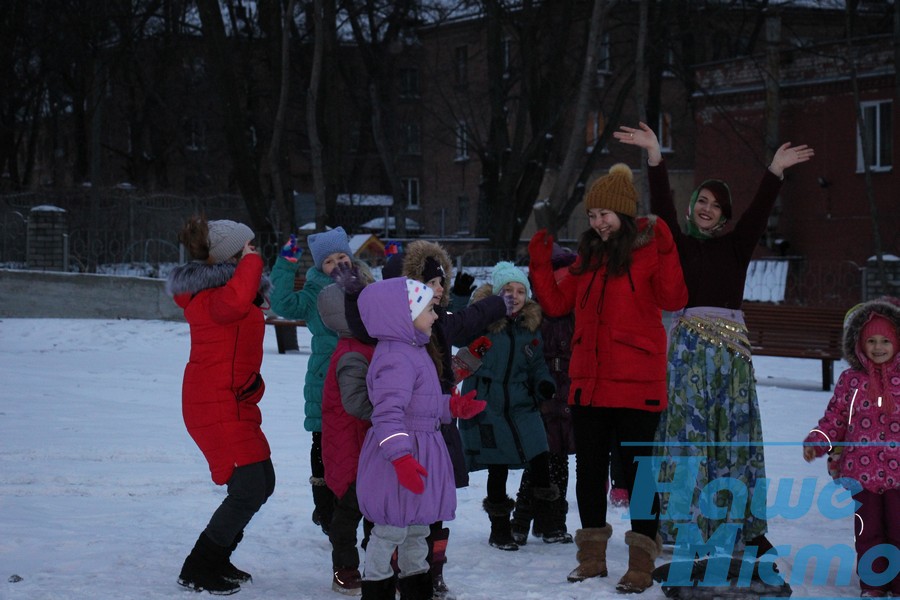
809,331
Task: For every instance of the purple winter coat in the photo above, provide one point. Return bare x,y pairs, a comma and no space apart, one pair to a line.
408,408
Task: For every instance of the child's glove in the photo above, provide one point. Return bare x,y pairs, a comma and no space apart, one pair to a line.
463,285
468,360
809,453
347,278
410,473
510,304
291,251
834,463
466,407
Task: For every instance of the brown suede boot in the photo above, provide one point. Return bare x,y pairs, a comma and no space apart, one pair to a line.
642,552
591,553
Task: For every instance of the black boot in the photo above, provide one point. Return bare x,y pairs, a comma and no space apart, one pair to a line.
416,587
523,512
437,558
550,510
203,569
383,589
501,532
231,572
323,500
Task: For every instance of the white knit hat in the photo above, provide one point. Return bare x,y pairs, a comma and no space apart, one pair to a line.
227,238
420,296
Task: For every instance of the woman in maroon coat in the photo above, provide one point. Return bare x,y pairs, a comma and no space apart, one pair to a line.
221,291
626,273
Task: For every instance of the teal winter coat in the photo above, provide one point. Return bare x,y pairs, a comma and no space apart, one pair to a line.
510,430
301,304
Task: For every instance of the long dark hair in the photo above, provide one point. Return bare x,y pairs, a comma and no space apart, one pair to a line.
615,252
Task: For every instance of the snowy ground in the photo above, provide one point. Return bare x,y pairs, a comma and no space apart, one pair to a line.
102,492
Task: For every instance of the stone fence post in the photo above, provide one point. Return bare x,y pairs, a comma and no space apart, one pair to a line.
45,249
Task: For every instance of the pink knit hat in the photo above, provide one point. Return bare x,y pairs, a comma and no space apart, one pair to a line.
879,325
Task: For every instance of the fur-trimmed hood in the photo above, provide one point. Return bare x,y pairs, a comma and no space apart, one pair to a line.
196,276
530,316
857,319
414,263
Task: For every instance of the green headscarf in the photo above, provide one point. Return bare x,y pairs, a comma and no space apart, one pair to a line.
722,193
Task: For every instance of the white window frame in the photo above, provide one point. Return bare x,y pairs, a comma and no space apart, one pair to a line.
411,189
876,110
412,138
462,141
664,132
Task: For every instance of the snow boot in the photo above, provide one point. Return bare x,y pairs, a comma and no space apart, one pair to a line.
347,581
501,533
323,500
416,587
437,558
231,572
642,552
591,554
382,589
618,497
203,569
555,531
522,514
545,503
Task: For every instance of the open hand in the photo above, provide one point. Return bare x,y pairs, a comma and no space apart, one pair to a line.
642,137
788,156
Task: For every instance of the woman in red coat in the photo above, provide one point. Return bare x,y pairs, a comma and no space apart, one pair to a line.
221,291
626,273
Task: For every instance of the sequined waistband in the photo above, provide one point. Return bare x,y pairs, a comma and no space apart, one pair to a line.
722,327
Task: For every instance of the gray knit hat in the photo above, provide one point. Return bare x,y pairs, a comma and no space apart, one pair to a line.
324,244
227,238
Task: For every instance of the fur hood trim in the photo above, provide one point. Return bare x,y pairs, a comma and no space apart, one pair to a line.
530,316
645,234
196,276
414,263
857,319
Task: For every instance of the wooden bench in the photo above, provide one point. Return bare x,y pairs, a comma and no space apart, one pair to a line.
797,332
285,333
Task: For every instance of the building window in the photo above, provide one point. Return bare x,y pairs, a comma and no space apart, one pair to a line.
596,123
462,216
409,83
506,49
411,189
670,60
461,64
879,131
462,142
664,130
604,62
412,140
195,132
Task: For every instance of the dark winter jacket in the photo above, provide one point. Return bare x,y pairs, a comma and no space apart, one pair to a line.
345,386
222,384
301,304
510,430
557,333
855,416
619,345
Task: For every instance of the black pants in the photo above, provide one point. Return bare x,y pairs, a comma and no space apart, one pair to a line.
596,431
538,472
248,489
343,532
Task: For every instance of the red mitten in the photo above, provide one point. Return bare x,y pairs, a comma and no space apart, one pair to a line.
540,248
480,346
466,407
410,473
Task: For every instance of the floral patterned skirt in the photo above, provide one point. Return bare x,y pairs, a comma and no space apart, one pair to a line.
710,436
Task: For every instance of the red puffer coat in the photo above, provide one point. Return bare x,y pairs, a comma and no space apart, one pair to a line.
222,385
619,344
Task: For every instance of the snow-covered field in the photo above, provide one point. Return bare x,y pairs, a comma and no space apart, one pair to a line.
102,492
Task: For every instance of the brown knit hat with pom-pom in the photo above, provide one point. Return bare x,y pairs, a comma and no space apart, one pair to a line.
614,191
